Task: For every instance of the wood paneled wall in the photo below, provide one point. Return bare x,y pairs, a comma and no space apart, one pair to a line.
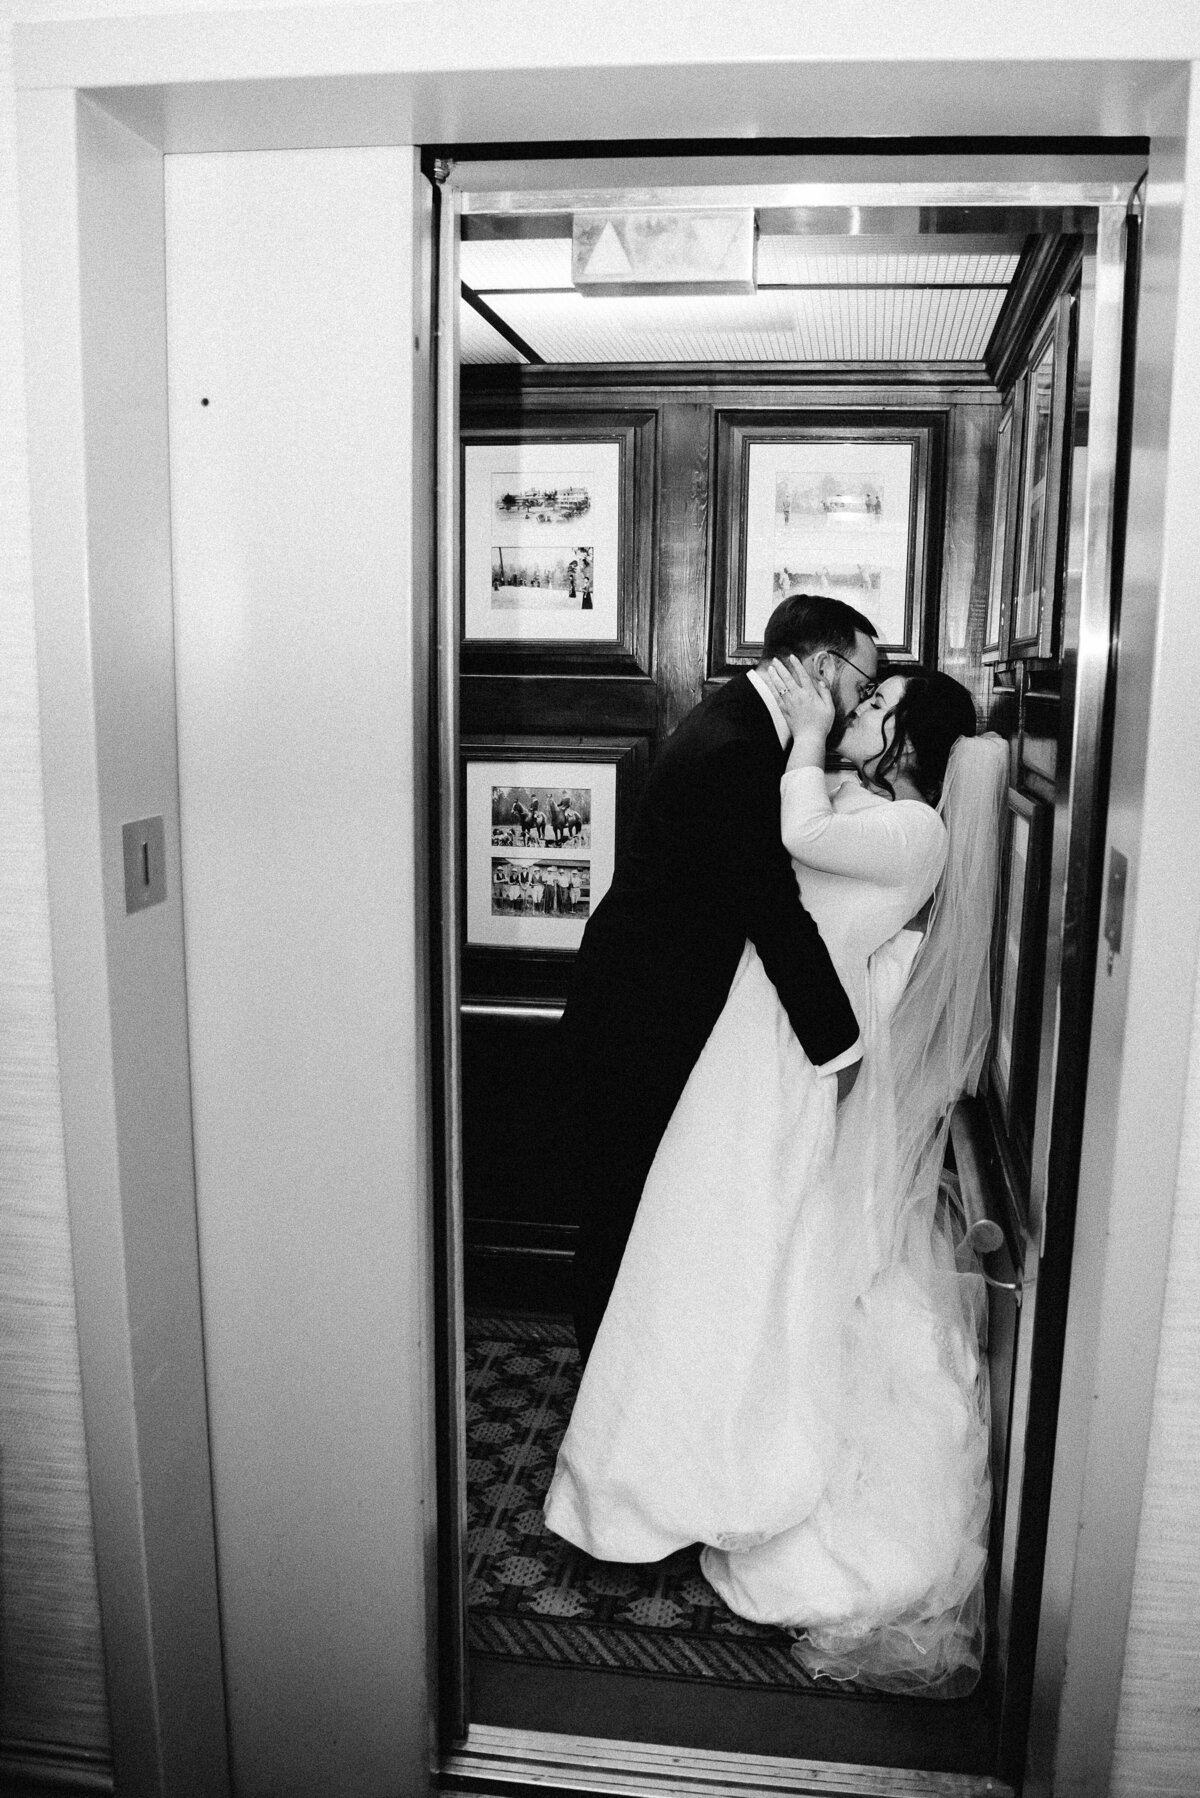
519,1225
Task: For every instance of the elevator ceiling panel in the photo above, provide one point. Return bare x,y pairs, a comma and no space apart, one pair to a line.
817,323
480,342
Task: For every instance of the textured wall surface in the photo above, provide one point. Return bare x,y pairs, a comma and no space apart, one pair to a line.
1158,1737
49,1630
51,1679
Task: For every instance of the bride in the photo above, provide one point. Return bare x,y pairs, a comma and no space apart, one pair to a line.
789,1367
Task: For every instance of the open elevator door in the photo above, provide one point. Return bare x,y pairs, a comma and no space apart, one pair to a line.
1032,1281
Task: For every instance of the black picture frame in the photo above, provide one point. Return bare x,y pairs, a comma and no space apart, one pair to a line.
1034,572
627,649
732,645
1018,966
1004,510
530,966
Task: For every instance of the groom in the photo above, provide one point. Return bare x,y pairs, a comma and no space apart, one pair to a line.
704,870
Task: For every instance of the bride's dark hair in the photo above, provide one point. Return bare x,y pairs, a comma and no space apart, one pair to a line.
932,713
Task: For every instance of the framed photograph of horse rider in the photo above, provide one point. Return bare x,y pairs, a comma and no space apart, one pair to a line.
541,825
818,503
555,568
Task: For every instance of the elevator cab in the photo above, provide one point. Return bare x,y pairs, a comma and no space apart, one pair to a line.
614,433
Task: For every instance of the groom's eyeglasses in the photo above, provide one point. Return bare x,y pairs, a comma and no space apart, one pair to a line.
866,686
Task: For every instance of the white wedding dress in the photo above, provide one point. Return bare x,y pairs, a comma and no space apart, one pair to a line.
788,1369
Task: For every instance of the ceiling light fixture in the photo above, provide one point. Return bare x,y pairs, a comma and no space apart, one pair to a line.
709,251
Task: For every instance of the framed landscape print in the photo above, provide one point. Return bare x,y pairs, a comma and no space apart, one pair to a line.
554,562
809,506
542,826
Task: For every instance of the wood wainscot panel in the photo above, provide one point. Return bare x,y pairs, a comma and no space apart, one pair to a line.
682,566
524,705
1041,713
519,1221
967,548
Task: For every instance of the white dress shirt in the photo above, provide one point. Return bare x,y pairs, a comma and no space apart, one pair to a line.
783,731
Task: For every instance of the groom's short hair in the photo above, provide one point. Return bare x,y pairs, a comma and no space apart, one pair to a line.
805,622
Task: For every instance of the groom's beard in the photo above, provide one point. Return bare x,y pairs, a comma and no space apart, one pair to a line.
838,729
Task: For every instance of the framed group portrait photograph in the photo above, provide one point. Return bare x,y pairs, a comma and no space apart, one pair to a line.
542,825
554,562
821,505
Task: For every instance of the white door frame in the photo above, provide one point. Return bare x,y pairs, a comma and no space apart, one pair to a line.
99,104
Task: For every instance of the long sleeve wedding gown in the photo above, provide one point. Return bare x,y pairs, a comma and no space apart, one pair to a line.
788,1369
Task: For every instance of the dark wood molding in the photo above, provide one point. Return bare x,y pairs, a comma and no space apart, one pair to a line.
1046,268
523,705
948,380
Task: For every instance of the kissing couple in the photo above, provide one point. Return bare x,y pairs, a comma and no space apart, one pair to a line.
774,1009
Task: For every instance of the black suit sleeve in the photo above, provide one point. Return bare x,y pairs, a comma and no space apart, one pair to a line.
754,867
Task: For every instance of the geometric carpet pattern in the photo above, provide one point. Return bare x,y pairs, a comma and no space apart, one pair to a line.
532,1596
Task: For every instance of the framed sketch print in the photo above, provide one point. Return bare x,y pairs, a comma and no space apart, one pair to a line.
553,560
1036,579
813,504
1002,513
542,826
1020,949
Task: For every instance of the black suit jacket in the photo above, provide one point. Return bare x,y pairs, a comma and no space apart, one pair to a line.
705,869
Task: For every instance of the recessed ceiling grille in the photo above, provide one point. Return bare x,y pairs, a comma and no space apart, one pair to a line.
479,342
820,299
496,264
815,324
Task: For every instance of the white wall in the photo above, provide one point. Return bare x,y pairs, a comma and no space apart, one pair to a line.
1158,1735
46,1584
290,322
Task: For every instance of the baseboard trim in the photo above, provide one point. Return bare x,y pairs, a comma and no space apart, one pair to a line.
27,1770
500,1763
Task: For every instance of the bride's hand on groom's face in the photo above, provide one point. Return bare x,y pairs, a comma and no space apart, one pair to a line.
805,700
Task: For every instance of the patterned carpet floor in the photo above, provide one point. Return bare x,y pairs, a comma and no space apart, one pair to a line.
531,1596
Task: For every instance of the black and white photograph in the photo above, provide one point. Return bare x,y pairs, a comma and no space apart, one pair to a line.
553,500
541,889
835,499
858,583
533,817
542,580
829,517
526,822
542,555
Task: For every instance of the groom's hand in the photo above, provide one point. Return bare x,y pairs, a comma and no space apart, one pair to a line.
845,1079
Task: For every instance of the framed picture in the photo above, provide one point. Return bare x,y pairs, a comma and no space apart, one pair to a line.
814,504
1002,516
1020,951
542,824
1035,581
555,560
